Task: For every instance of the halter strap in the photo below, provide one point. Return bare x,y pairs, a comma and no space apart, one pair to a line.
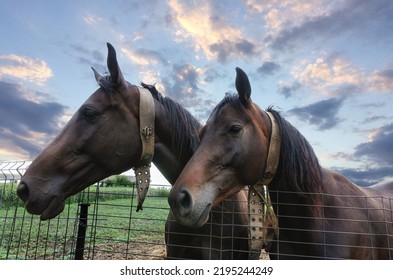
273,156
259,205
146,125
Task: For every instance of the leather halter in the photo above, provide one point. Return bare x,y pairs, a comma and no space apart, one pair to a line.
146,132
258,200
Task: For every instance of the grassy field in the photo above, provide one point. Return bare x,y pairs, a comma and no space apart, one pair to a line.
113,226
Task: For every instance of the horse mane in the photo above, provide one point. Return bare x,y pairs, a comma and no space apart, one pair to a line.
298,162
185,126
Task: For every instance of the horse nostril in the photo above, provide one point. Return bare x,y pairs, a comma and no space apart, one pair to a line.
23,191
185,202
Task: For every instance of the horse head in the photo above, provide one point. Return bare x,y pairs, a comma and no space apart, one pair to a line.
228,157
98,141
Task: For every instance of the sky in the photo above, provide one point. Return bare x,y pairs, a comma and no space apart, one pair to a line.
326,65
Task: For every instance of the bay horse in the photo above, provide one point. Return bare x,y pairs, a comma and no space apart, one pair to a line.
321,214
102,139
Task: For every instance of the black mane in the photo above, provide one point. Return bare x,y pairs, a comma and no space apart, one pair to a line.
298,162
185,126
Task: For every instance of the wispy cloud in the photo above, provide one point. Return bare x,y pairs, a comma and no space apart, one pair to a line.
91,19
293,24
323,113
25,68
144,57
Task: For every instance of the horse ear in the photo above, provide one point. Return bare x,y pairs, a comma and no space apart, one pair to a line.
113,66
97,75
243,86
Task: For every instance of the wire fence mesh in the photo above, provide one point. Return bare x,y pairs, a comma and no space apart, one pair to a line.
101,222
106,215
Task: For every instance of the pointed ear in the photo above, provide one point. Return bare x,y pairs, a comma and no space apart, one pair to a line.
113,66
97,75
243,86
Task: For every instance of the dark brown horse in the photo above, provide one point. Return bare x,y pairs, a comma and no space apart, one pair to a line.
321,214
102,138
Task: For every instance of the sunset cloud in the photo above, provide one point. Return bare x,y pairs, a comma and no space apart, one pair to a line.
326,75
210,34
337,76
25,68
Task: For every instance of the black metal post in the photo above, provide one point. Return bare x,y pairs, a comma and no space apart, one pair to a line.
80,241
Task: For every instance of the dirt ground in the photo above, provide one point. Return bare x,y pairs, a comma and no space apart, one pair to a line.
136,251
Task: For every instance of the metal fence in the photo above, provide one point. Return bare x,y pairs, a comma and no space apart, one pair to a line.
101,222
98,223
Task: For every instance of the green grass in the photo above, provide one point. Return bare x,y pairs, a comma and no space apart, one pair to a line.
112,219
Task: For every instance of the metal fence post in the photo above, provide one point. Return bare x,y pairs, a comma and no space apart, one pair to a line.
80,241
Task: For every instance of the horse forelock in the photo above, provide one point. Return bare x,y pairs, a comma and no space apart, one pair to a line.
232,99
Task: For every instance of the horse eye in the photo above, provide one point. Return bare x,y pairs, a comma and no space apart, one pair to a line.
235,129
89,114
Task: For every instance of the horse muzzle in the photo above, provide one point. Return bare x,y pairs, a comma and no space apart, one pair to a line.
187,211
39,203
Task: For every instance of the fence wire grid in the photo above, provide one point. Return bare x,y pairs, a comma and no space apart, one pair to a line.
101,222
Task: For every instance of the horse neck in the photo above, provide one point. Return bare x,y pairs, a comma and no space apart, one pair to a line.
170,156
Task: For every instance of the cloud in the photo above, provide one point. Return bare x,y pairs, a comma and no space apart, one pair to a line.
323,113
376,155
365,176
94,20
268,68
211,75
226,48
334,75
288,89
381,81
375,158
326,75
27,122
184,83
144,57
379,148
25,68
279,14
324,19
89,57
183,86
209,32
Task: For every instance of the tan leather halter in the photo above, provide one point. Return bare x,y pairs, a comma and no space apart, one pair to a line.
146,126
258,199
